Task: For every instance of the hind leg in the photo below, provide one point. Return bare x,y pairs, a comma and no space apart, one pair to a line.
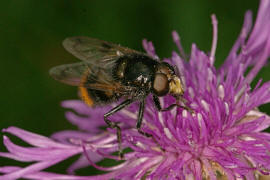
115,124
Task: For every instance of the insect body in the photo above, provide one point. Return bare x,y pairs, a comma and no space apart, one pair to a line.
109,72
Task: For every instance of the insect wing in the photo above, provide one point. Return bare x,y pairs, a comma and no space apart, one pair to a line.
85,75
69,73
94,51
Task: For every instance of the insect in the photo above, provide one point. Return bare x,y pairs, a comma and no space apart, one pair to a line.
110,72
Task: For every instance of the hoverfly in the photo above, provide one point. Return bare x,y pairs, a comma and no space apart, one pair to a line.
109,72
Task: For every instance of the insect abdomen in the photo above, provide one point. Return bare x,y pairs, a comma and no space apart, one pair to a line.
86,96
93,97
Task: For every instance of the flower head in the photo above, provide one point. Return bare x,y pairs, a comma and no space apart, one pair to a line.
222,138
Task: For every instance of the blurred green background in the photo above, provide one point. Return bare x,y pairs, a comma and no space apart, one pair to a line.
31,35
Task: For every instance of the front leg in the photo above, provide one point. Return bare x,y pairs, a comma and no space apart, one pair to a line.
159,108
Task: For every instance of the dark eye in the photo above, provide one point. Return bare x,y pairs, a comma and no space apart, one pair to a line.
161,84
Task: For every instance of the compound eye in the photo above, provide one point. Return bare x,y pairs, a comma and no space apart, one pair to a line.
161,84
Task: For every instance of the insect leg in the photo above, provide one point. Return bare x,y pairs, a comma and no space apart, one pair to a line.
140,118
115,125
139,123
158,106
157,103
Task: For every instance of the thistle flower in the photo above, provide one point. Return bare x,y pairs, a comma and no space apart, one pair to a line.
222,139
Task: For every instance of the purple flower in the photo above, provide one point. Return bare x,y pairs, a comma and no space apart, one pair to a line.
223,138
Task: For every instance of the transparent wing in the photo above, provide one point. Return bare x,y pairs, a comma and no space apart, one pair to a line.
97,78
69,73
94,51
